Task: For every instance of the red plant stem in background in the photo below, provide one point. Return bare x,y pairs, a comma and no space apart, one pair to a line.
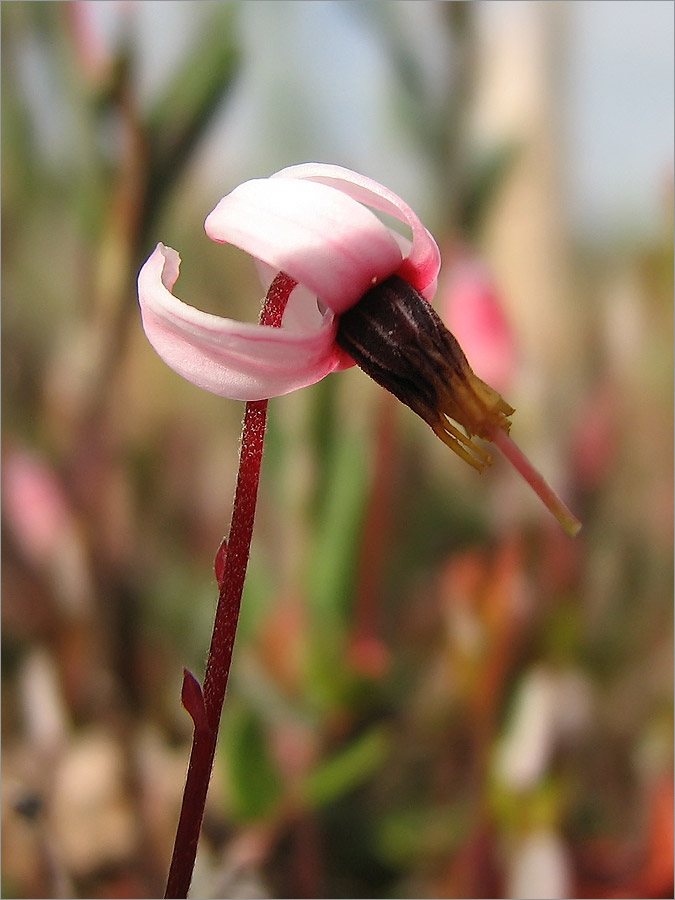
206,711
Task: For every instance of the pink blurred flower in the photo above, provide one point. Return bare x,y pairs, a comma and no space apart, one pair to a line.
470,305
310,221
35,508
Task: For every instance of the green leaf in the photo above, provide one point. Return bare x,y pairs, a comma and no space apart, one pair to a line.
333,563
347,769
254,783
337,534
405,837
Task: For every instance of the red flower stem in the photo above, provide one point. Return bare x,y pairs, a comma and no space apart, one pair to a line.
206,711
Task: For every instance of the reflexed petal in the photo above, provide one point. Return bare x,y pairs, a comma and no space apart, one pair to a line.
328,243
422,265
238,360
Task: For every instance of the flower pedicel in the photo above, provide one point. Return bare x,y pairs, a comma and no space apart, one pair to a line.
342,288
363,296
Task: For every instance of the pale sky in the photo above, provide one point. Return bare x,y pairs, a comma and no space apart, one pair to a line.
619,95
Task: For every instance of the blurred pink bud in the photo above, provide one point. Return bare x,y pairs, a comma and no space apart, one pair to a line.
35,508
470,304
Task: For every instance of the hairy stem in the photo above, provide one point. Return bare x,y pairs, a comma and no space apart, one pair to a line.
206,709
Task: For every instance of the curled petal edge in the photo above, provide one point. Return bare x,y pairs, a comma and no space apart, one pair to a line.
421,267
238,360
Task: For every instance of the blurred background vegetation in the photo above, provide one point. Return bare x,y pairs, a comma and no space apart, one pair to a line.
435,693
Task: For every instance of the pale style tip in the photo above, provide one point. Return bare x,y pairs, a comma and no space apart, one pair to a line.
569,522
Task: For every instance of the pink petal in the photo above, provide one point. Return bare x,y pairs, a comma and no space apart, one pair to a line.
233,359
471,307
422,265
320,236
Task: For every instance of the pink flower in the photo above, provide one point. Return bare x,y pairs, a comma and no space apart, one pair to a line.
312,222
362,295
472,309
35,506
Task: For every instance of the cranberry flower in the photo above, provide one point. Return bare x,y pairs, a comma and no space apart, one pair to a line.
363,296
341,288
310,222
